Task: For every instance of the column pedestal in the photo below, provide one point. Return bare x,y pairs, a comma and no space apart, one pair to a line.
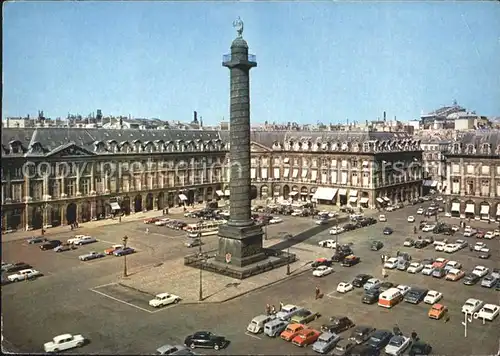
241,245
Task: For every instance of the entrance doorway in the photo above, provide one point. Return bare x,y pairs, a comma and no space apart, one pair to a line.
149,201
125,205
138,203
37,218
161,203
71,213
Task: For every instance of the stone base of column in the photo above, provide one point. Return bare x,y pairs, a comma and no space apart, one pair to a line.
242,246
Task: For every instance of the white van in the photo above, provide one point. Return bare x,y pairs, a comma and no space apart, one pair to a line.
390,298
257,324
275,327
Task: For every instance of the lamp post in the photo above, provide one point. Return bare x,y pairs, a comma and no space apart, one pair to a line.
125,239
200,255
288,261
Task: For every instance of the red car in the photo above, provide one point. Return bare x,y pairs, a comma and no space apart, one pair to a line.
306,337
151,220
480,234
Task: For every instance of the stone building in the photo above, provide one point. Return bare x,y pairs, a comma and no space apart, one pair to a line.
366,169
434,163
53,176
473,181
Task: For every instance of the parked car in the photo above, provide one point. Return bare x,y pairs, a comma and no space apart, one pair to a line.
388,231
481,271
164,299
472,305
304,316
64,247
419,348
415,295
411,219
433,297
379,339
382,218
397,345
409,242
344,287
123,251
391,263
343,347
325,342
470,279
371,296
489,312
205,339
489,281
24,274
306,337
403,289
91,256
428,270
415,267
322,271
291,331
173,350
328,243
337,325
288,311
361,333
321,262
360,280
372,283
64,342
350,261
85,240
36,240
439,273
50,245
376,245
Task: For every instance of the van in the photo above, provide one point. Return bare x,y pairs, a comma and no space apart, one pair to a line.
390,298
275,327
257,324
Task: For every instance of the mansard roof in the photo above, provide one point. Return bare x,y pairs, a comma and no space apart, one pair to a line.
480,137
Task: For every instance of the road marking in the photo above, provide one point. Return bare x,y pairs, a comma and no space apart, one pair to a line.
105,285
334,297
121,301
254,336
109,242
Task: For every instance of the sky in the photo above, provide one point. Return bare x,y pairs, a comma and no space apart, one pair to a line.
318,62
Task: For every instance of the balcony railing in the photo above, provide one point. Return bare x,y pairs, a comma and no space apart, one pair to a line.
227,58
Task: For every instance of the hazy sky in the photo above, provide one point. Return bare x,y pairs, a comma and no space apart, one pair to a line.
317,61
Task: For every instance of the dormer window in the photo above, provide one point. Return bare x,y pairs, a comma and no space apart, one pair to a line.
366,147
99,146
470,149
456,148
137,145
345,146
486,148
15,147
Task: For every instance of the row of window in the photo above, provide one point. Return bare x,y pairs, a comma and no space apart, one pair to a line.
475,169
485,148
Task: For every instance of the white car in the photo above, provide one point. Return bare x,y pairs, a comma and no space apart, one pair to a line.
480,271
372,283
461,244
481,247
428,228
24,275
415,267
322,271
84,240
496,232
433,297
472,305
344,287
420,211
288,311
328,244
451,248
452,265
455,228
64,342
336,230
163,299
439,245
275,220
469,232
321,222
489,235
427,270
75,239
162,222
382,218
489,312
403,289
411,219
391,263
397,345
297,212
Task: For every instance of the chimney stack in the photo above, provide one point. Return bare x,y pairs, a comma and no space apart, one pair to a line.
385,116
195,116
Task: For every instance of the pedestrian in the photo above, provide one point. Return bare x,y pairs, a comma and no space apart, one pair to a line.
447,319
273,310
268,309
382,258
147,230
414,335
471,248
317,292
281,305
397,253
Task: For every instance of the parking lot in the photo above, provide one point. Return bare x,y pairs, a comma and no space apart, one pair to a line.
88,298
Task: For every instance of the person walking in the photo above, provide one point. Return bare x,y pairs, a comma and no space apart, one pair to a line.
273,310
268,309
318,292
382,258
281,306
147,230
414,335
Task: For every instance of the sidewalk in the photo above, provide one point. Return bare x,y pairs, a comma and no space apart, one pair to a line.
173,277
19,235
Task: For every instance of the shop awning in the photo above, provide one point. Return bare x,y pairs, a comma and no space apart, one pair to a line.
380,200
363,200
286,172
469,208
227,192
353,199
115,206
485,209
387,199
219,193
455,207
353,193
342,191
183,197
292,194
325,193
434,184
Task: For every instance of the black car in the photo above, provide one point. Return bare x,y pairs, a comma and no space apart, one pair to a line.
339,256
364,350
385,286
337,325
350,261
205,339
345,249
17,267
420,244
376,245
361,333
349,227
388,231
497,286
321,262
379,339
50,245
360,280
420,348
470,279
415,295
370,296
427,261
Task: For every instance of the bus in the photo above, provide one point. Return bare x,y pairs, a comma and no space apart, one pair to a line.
203,229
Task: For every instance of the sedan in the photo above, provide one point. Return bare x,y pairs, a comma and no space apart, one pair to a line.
453,265
415,267
470,279
489,312
205,339
91,256
123,251
420,211
403,289
481,247
409,242
193,242
360,280
336,230
388,231
275,220
433,297
304,316
411,219
337,325
344,287
379,339
472,305
397,345
461,244
361,333
382,218
343,347
391,263
322,271
65,247
36,240
489,281
489,235
481,271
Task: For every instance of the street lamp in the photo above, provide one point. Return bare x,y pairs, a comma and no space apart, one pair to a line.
125,239
200,256
288,262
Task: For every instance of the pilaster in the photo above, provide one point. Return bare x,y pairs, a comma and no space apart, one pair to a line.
63,214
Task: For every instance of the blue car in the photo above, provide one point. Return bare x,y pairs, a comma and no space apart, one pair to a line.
388,231
123,251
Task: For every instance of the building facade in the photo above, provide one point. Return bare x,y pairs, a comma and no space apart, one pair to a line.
365,169
473,181
434,163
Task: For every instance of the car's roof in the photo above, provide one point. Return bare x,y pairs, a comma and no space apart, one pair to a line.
438,306
164,348
163,295
62,336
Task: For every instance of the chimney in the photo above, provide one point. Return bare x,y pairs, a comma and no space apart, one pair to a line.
195,116
385,116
